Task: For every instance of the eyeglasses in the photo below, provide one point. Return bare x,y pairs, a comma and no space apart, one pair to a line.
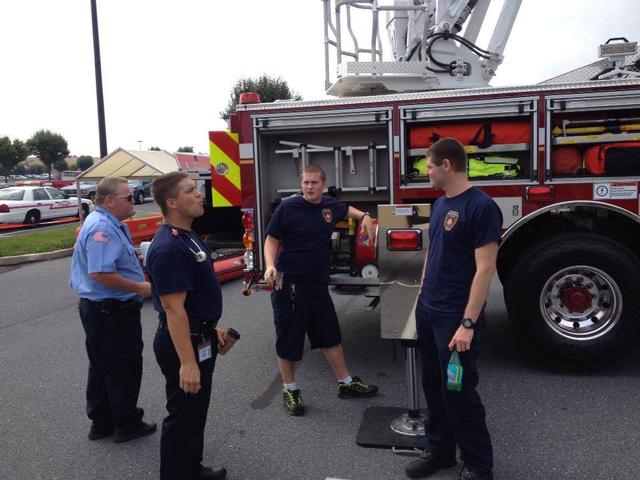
129,197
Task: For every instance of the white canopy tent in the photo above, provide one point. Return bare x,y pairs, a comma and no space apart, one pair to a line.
130,164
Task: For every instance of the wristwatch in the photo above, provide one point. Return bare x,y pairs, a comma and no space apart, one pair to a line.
365,214
468,323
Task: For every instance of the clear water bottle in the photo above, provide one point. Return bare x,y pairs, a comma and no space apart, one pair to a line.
454,373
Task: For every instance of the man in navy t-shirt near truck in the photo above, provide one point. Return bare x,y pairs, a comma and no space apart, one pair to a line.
464,231
187,297
296,255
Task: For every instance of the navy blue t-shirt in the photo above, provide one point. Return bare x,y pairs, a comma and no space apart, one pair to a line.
458,226
173,268
304,231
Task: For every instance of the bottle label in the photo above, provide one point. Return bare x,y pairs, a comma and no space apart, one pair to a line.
454,373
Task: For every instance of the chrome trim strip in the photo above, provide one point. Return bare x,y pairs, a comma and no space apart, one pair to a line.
565,205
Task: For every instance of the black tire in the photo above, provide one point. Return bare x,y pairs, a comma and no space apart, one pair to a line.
32,217
576,296
139,198
85,210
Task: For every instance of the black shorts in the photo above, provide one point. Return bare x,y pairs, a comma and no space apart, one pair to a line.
299,310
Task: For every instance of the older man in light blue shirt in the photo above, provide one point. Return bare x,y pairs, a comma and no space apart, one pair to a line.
106,274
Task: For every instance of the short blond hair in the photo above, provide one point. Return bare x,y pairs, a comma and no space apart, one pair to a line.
314,169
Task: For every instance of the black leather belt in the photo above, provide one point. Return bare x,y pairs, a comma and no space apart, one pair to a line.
197,326
113,305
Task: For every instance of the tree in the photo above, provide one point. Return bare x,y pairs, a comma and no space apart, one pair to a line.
269,89
20,169
84,162
155,149
185,149
11,154
48,147
60,165
36,169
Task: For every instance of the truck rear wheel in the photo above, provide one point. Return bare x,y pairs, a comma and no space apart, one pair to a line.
576,296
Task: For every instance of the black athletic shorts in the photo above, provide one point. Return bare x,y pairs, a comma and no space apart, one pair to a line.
303,309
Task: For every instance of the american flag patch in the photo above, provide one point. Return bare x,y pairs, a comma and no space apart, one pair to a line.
101,237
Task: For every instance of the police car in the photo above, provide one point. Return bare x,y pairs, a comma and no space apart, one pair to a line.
32,204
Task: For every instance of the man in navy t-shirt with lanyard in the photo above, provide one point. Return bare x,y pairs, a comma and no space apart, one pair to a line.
187,296
464,231
296,254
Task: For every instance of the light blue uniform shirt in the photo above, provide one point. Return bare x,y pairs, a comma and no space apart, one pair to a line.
103,245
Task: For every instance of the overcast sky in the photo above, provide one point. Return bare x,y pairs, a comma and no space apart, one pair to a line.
168,66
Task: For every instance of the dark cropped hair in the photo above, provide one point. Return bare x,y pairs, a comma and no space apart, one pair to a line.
314,169
451,149
166,187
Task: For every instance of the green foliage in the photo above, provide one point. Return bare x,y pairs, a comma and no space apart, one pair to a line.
269,88
11,154
36,169
60,165
37,242
20,169
185,149
155,149
84,162
48,147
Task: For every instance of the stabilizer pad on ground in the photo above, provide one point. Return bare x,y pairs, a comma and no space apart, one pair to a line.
375,429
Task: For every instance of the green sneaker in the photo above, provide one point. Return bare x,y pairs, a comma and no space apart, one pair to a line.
292,400
357,388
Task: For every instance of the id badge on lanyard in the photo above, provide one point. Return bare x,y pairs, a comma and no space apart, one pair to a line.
204,350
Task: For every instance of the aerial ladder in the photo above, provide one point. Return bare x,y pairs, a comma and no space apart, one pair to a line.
433,45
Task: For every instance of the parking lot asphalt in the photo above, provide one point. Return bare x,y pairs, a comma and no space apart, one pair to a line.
546,423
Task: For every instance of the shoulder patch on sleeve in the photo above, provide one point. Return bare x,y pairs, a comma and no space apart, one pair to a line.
100,237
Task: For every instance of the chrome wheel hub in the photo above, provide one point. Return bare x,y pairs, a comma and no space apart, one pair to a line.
581,302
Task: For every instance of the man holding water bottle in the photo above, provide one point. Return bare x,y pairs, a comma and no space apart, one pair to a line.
296,254
464,231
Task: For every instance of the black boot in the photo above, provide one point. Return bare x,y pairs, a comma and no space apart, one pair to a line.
467,474
208,473
140,430
427,464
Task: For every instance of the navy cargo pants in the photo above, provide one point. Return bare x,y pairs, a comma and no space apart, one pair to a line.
454,418
114,346
182,441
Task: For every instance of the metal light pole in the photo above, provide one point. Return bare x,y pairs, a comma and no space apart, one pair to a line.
96,57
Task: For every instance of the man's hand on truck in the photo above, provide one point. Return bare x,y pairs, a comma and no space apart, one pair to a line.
367,226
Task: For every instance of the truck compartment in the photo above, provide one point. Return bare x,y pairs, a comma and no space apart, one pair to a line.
498,149
356,160
596,143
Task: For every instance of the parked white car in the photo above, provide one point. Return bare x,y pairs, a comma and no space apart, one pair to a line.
87,190
34,204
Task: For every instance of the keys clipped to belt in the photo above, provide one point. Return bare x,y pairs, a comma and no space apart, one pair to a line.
277,282
292,296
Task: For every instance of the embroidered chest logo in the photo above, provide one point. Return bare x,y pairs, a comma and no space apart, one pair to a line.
450,220
327,214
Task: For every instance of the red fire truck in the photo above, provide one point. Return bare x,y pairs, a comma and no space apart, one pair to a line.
561,159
